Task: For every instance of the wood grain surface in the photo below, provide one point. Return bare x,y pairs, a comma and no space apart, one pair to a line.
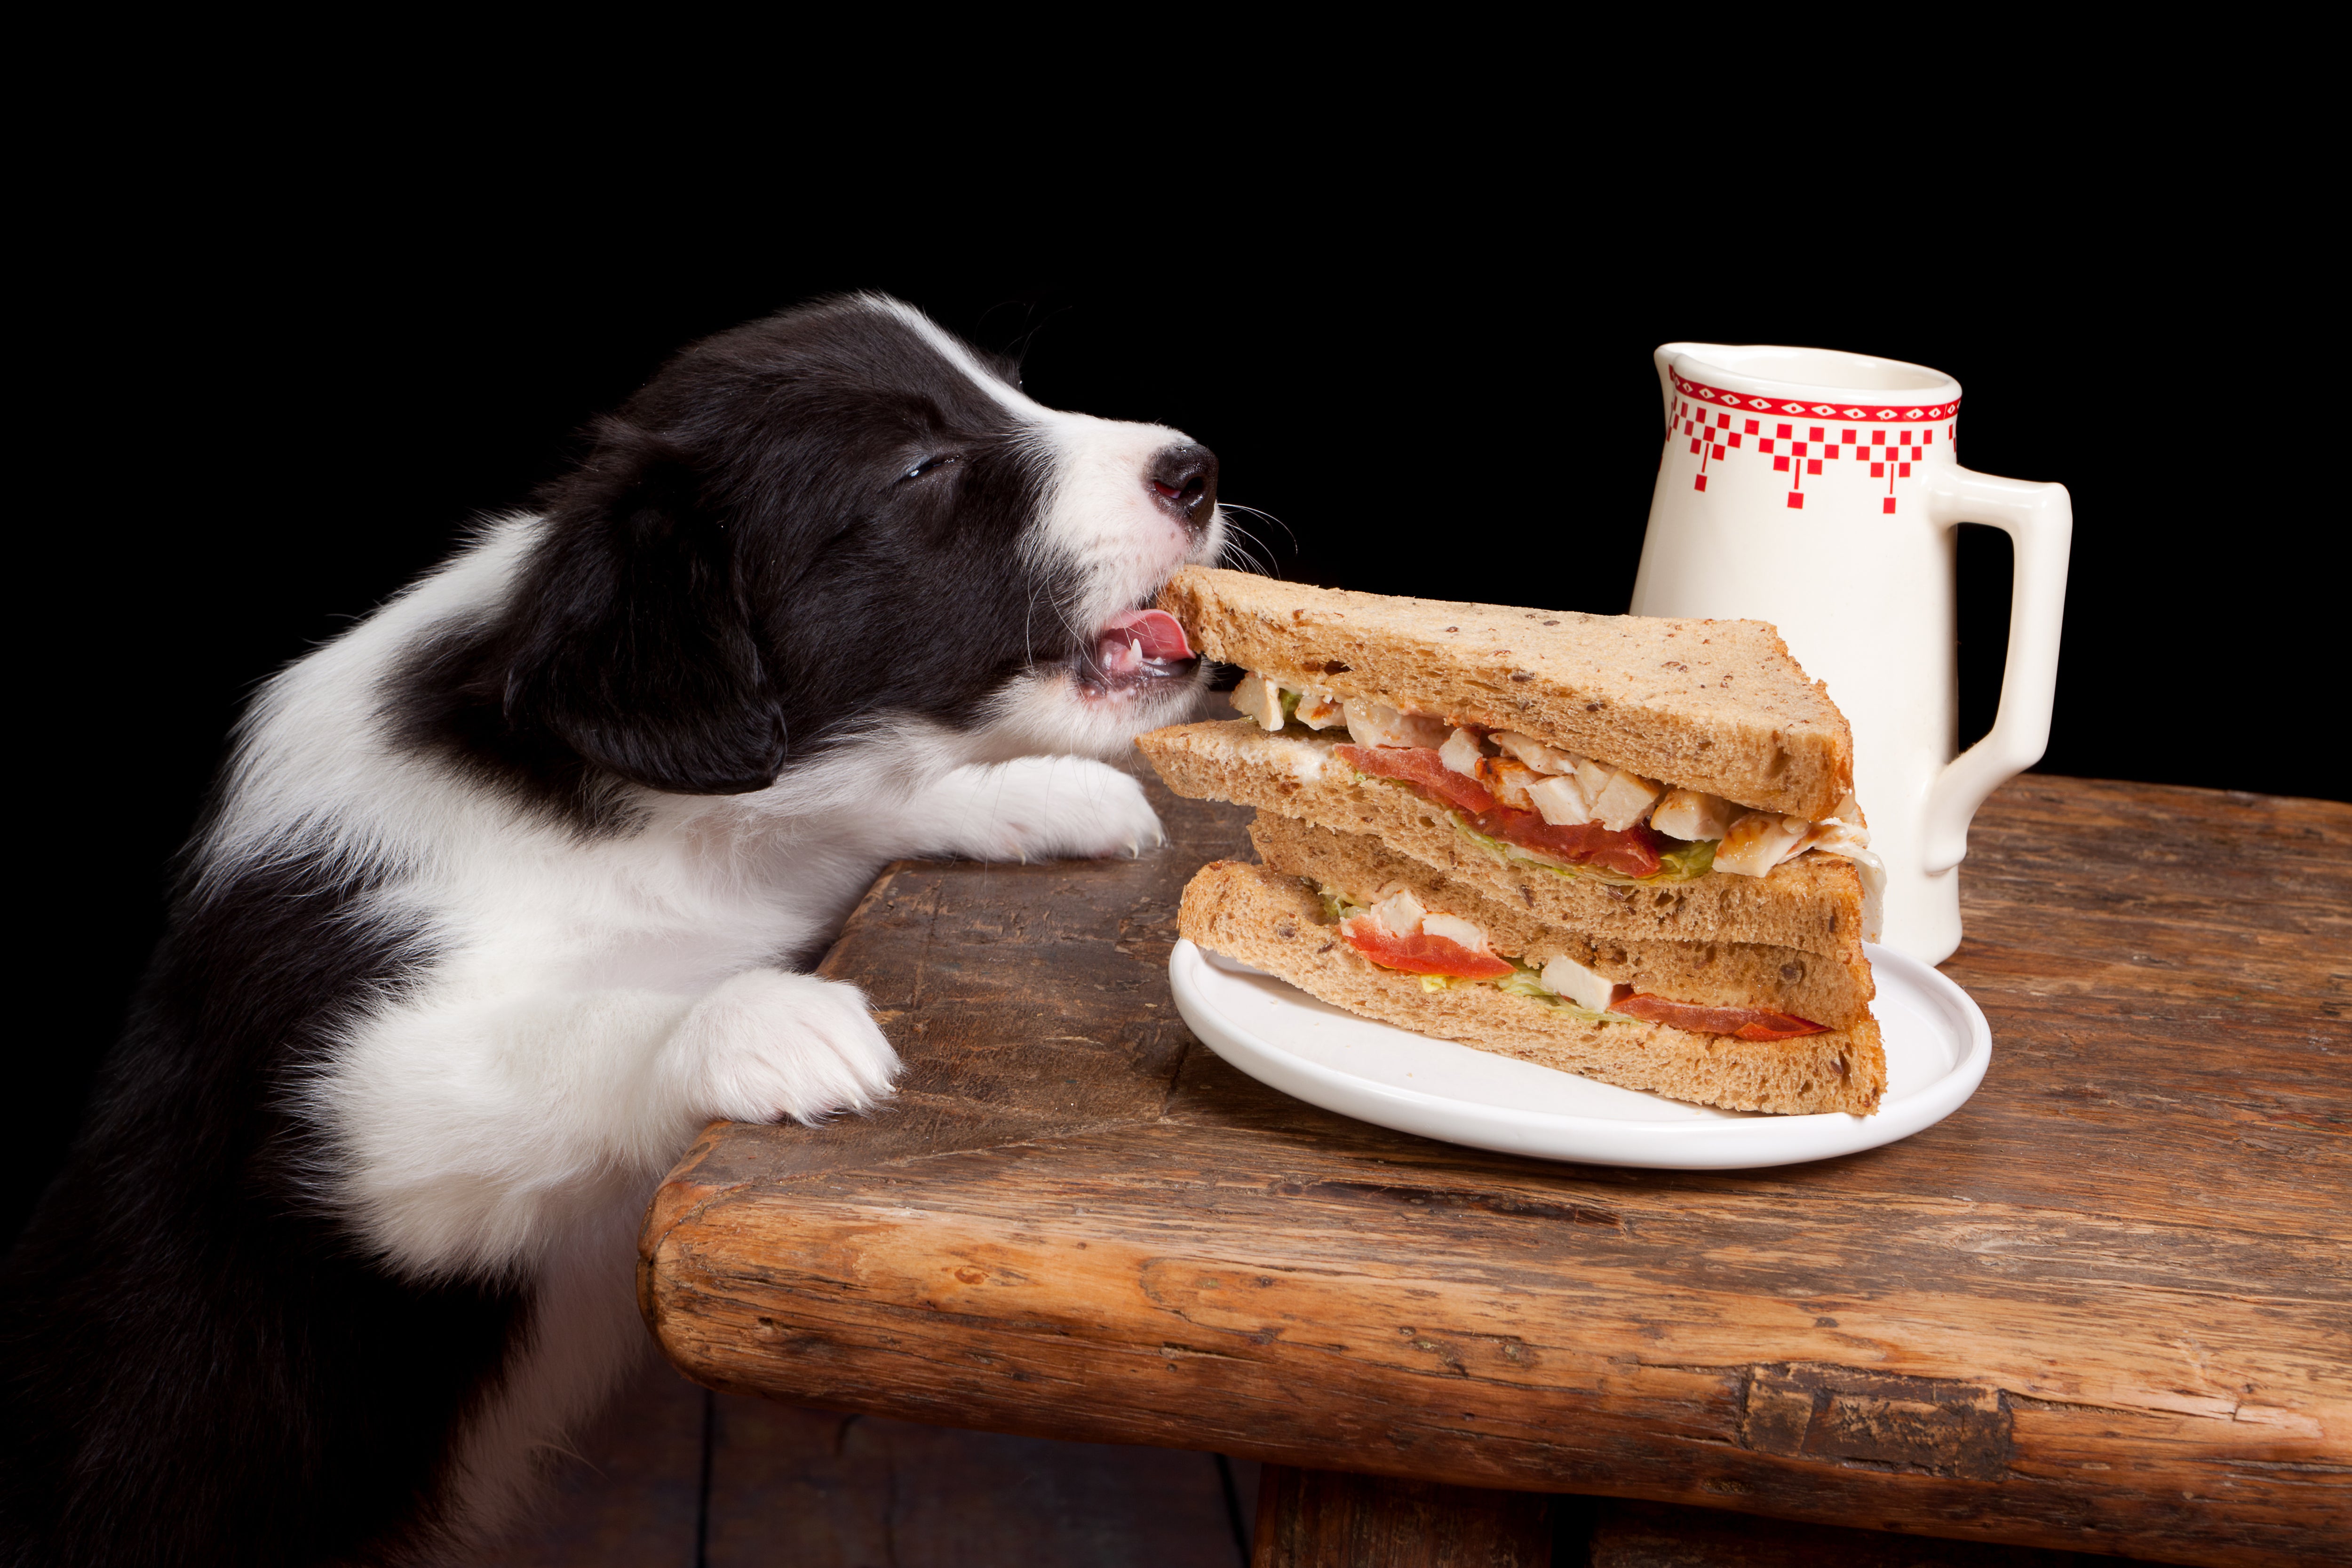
673,1476
2102,1308
1331,1519
1660,1535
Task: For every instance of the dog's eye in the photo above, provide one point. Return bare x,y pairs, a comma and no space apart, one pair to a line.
927,464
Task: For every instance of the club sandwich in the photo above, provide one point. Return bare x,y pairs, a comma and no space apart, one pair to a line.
1620,845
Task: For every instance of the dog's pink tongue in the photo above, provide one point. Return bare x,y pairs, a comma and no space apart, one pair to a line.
1144,634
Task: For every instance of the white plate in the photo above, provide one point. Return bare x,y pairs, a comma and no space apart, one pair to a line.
1938,1047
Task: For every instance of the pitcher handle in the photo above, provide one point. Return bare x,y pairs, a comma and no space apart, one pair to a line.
2039,522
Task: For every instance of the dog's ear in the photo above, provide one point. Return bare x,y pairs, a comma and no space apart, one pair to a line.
636,641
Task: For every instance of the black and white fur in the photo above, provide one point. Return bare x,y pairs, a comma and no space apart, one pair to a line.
506,891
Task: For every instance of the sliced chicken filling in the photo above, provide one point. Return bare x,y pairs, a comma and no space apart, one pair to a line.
1583,811
1397,932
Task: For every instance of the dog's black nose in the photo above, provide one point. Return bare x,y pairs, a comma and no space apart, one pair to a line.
1184,481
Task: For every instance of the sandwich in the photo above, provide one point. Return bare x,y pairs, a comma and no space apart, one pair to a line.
1617,846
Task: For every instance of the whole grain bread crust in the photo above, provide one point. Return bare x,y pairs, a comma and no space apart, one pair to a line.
1717,706
1710,973
1274,923
1812,903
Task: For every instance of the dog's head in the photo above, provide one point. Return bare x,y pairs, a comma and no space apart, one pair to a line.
842,518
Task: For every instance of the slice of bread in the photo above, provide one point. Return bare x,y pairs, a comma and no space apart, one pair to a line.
1275,922
1812,903
1710,973
1717,706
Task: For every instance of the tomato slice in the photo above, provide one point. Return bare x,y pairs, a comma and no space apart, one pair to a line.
1421,954
1744,1023
1421,766
1632,852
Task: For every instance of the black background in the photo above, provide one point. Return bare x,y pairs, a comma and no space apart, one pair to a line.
267,398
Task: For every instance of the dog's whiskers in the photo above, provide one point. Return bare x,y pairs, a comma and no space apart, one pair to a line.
1237,550
1260,512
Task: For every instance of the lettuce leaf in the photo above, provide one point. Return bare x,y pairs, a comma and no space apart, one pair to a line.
1685,863
1337,905
1528,984
1524,981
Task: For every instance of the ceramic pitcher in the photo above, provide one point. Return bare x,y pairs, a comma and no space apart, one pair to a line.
1820,491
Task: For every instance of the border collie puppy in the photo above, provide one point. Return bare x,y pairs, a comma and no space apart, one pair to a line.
506,890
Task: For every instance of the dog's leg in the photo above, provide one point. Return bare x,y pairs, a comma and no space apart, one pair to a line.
762,1046
520,1138
1035,808
473,1135
582,1339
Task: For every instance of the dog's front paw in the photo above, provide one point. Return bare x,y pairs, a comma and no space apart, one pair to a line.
766,1045
1048,808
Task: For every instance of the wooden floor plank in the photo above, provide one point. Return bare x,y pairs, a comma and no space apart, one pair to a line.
1330,1519
1662,1535
813,1490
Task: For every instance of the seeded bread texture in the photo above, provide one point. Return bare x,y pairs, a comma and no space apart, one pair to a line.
1275,922
1711,974
1716,706
1812,903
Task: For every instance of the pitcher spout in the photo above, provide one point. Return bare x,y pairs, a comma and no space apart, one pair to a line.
1664,356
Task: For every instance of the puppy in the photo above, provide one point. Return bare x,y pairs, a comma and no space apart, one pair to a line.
508,890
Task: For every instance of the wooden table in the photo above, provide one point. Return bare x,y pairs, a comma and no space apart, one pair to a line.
2104,1306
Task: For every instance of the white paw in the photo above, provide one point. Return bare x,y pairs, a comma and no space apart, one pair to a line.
1048,808
767,1045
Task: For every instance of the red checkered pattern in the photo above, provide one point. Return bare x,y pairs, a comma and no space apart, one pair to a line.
1799,450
